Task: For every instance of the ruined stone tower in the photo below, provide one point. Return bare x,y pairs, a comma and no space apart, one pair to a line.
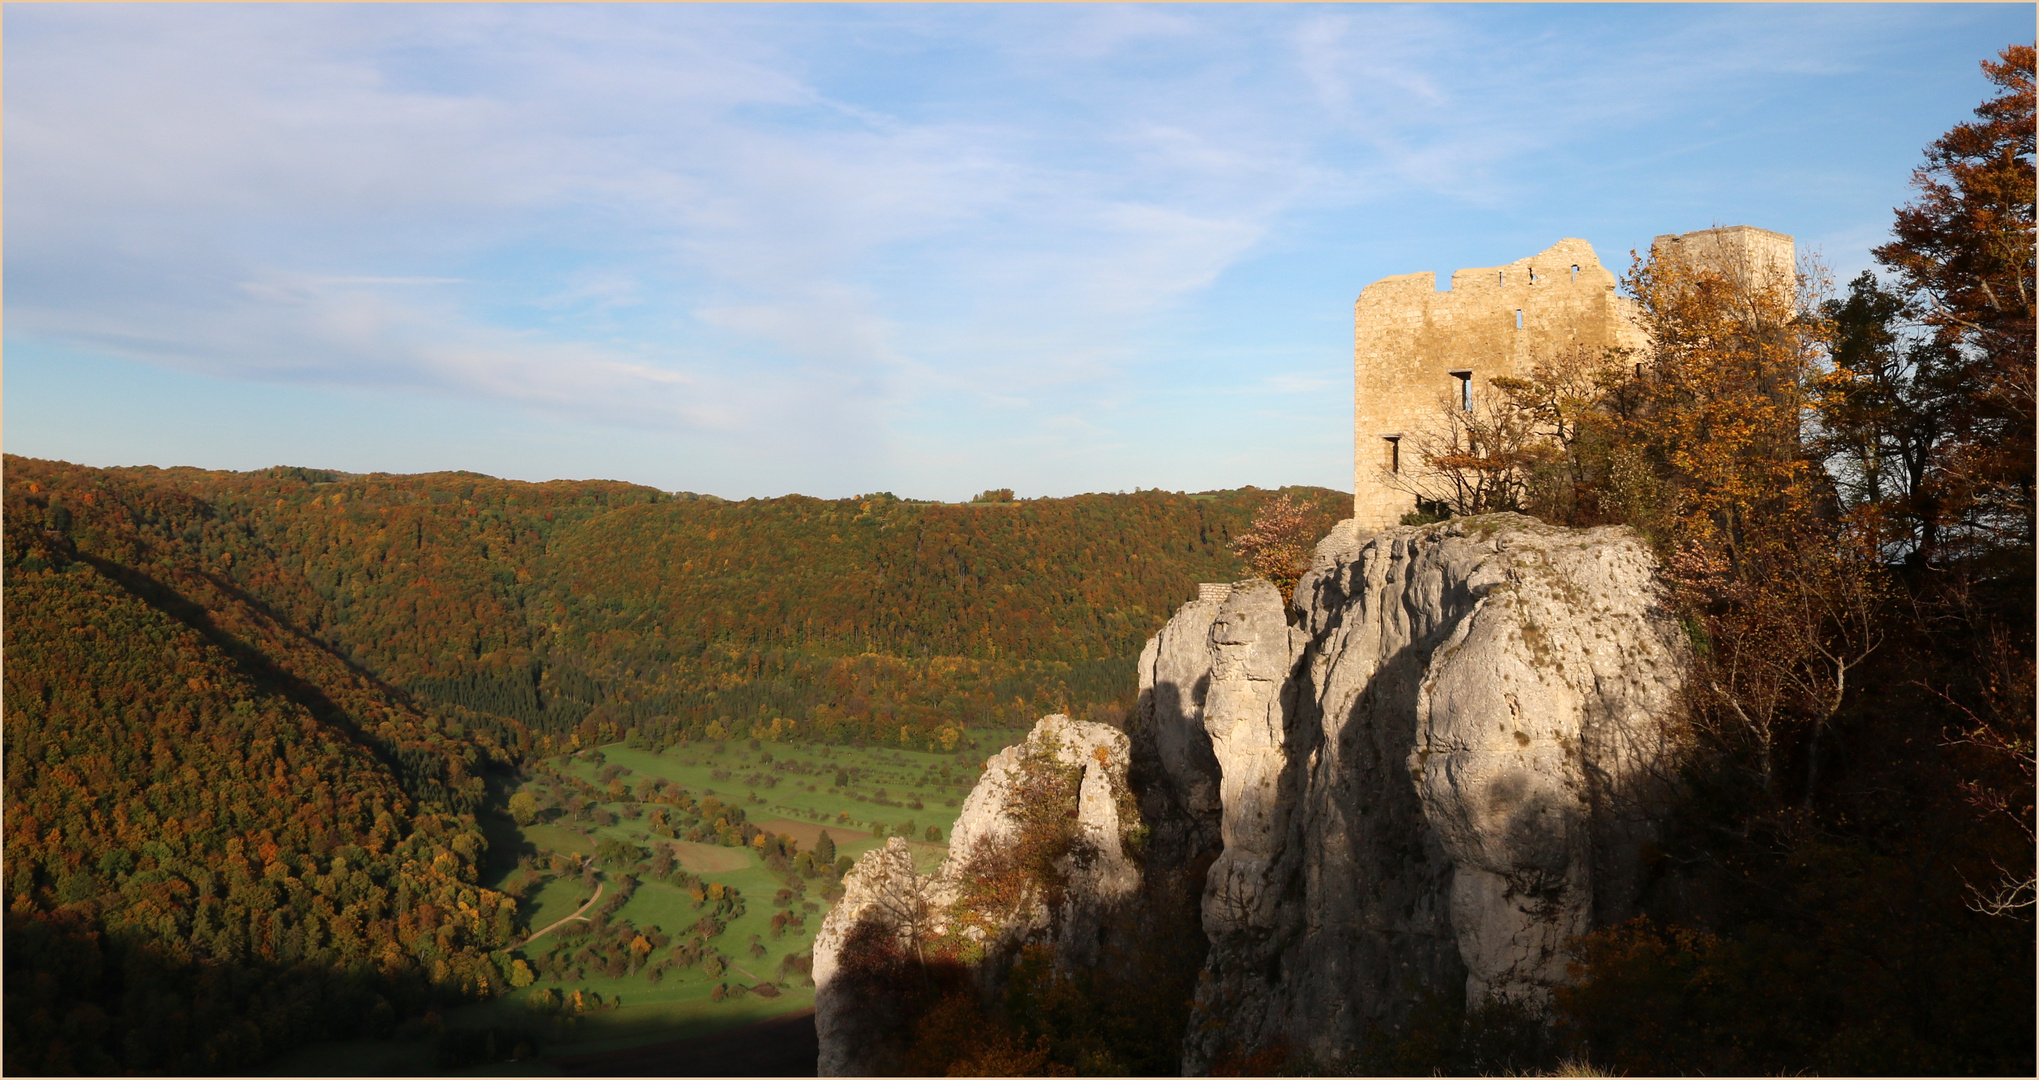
1418,349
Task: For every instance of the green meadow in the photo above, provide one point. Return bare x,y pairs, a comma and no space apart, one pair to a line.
700,975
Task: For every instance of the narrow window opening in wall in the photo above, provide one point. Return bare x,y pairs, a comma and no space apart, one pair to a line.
1575,272
1518,318
1501,277
1393,453
1465,389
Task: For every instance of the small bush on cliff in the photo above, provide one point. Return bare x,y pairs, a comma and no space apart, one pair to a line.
1003,880
1277,545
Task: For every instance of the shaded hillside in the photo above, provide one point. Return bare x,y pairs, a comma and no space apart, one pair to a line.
220,839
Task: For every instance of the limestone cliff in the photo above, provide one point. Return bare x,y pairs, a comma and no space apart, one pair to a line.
1435,768
1038,856
1438,774
883,904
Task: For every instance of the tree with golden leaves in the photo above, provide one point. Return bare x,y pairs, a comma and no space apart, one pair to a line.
1785,593
1567,404
1277,545
1963,262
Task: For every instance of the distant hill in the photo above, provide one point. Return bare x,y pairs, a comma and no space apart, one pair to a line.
595,608
249,715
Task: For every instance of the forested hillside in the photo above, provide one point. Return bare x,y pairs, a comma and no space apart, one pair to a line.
250,716
220,838
592,608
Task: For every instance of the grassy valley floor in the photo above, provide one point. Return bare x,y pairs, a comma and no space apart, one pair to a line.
788,790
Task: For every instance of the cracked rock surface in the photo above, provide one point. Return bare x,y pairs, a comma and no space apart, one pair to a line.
1439,764
1442,771
885,901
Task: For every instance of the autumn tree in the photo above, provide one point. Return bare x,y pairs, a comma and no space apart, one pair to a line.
1963,263
1842,491
1277,545
1473,456
1723,398
1885,410
1787,593
1962,301
1566,406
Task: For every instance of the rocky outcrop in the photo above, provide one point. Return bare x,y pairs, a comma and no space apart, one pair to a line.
1064,790
1247,716
1094,875
883,906
1441,771
1174,773
1422,777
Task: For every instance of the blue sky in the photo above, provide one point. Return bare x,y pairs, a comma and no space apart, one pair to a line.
751,250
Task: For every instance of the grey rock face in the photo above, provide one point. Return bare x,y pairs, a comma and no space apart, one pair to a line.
882,898
1099,874
885,903
1425,777
1103,753
1174,773
1439,774
1248,715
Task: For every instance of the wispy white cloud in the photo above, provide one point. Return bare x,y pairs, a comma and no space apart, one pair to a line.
795,227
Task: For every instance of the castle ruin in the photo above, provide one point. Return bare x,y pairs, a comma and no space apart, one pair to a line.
1418,349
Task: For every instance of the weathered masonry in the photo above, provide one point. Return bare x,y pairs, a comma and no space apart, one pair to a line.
1418,349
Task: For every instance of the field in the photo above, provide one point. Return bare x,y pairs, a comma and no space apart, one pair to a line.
557,859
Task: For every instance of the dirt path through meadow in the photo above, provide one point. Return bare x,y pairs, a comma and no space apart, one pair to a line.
576,915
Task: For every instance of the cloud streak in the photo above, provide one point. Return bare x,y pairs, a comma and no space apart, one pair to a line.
812,230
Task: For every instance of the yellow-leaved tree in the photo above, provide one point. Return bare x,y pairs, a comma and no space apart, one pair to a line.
1782,591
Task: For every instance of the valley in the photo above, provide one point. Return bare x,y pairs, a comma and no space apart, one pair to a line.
729,926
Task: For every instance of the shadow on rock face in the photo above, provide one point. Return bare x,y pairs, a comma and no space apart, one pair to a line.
1048,937
1465,701
1416,790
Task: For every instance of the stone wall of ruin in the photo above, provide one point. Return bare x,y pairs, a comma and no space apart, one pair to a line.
1744,253
1496,320
1411,341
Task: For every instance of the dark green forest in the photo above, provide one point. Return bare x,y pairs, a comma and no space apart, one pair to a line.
250,716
